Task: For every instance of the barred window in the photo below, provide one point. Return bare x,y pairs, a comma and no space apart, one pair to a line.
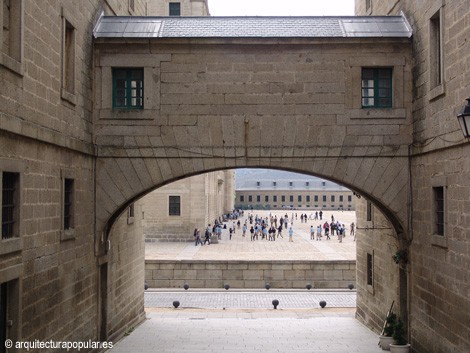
9,204
175,206
128,88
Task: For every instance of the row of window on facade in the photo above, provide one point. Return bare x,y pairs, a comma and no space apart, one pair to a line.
11,204
128,89
291,198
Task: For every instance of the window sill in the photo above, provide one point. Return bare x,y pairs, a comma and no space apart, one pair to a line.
377,113
67,234
130,220
127,114
12,64
370,289
436,92
439,241
67,96
11,245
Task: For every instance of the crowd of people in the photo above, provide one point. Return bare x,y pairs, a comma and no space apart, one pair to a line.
270,228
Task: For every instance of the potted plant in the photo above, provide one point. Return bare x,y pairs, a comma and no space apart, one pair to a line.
386,338
400,340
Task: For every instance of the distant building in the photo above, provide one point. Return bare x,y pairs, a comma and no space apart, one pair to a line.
293,194
173,211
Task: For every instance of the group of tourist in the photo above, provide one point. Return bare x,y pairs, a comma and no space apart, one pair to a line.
270,228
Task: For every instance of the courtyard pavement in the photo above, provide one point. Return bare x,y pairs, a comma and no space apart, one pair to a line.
242,248
249,331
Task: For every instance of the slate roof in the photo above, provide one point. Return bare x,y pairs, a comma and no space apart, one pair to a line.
251,27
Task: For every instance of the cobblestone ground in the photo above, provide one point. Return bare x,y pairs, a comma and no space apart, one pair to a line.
249,300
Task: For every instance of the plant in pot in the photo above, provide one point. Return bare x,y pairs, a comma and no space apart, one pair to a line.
386,338
400,340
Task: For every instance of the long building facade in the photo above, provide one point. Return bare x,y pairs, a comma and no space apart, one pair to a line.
310,195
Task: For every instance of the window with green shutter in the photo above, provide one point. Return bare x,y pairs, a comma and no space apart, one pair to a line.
376,87
128,88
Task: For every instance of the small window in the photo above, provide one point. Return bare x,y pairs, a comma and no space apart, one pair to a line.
341,198
250,198
175,206
299,198
435,49
9,205
316,199
308,198
258,198
68,68
291,183
128,88
349,198
11,27
266,198
332,198
175,9
242,198
283,198
439,210
68,203
369,211
291,198
376,87
370,269
274,198
324,198
274,183
131,211
258,183
323,183
307,183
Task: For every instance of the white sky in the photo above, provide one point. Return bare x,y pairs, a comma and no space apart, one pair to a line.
281,7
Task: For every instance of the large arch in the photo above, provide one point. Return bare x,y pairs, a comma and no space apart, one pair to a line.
281,102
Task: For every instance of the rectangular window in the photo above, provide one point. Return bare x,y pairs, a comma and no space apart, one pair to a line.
376,87
349,198
68,203
68,60
291,183
11,27
128,88
131,211
275,198
324,198
435,49
242,198
332,198
274,183
258,183
283,198
266,198
308,198
299,198
341,198
250,198
370,270
316,198
175,9
369,211
258,198
307,183
9,205
175,206
439,210
291,198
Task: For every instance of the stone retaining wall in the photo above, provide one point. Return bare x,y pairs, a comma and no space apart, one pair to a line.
250,274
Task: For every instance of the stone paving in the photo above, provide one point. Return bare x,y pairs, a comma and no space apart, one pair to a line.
250,331
249,299
242,248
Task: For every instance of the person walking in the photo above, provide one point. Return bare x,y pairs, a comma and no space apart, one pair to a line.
352,230
252,231
319,232
244,230
198,237
321,215
207,237
312,233
291,232
279,232
231,231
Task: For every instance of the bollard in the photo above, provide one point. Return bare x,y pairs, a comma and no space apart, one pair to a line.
275,303
267,286
322,303
186,286
226,286
176,304
308,286
146,286
350,286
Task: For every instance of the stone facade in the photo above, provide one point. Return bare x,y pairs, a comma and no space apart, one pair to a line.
250,274
203,199
50,264
187,7
312,195
436,286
